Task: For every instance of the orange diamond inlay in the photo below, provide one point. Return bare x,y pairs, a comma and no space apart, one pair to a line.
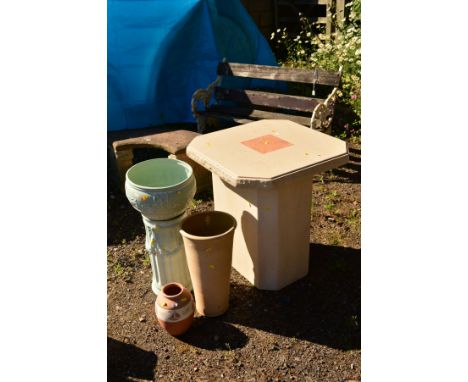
266,143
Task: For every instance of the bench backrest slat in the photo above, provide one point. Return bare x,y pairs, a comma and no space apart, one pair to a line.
254,114
259,98
323,77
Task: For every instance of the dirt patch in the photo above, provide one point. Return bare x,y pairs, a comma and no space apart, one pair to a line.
309,331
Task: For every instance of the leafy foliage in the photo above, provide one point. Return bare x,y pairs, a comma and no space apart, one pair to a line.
313,48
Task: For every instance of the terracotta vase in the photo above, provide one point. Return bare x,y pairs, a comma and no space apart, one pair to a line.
208,238
174,308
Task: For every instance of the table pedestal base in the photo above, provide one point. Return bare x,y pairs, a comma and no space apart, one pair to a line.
271,242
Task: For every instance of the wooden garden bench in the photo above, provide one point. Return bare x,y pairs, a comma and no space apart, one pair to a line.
247,105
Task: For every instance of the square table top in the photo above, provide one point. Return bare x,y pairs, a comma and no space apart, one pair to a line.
266,151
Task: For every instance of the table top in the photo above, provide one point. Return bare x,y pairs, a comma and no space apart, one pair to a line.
267,151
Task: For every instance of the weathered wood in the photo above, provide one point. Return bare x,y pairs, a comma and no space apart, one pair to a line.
254,114
308,76
327,20
314,112
227,117
340,11
282,101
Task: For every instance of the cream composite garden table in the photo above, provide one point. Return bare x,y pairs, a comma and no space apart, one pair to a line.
262,175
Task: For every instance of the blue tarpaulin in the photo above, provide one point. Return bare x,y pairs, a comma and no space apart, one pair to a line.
160,51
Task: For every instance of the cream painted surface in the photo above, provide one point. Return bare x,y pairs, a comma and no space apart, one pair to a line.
269,194
271,243
223,153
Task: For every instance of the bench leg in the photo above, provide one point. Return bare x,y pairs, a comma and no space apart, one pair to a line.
124,161
201,124
321,119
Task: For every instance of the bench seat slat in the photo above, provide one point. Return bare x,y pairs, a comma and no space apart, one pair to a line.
227,117
259,98
324,77
252,114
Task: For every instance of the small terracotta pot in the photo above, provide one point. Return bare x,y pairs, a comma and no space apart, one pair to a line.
174,308
208,238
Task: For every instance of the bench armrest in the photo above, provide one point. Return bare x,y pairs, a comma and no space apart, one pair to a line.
203,95
322,115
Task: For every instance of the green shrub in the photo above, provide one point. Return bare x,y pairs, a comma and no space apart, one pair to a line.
313,48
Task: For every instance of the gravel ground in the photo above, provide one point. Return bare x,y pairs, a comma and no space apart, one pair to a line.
309,331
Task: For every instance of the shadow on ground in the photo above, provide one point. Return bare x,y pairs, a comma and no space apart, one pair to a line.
324,307
123,222
214,334
351,171
126,362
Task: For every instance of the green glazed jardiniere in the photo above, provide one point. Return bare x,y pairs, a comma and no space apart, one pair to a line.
160,189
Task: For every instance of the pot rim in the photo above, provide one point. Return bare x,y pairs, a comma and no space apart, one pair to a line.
144,188
201,238
172,284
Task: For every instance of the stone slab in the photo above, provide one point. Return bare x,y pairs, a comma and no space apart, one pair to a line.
172,141
267,151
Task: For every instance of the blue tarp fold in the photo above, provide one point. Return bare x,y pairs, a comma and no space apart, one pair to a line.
160,51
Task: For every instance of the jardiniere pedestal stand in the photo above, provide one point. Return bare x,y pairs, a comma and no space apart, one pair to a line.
208,245
161,190
165,249
262,175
